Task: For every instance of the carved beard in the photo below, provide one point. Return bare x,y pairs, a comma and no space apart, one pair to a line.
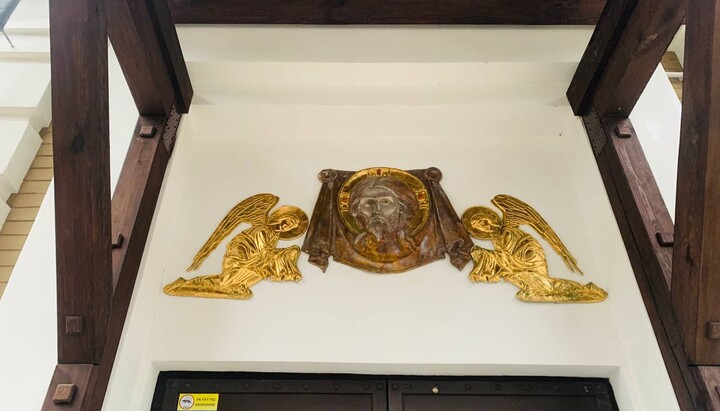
383,229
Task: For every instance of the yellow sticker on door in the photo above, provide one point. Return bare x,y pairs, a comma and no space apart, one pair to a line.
198,402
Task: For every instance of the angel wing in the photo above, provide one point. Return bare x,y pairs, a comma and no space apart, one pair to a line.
516,212
253,210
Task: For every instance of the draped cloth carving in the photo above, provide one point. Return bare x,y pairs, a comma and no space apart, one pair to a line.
385,220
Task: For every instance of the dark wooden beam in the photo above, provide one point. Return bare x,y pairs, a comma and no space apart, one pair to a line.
81,152
696,269
641,213
136,194
709,377
526,12
79,378
625,50
133,204
145,41
133,207
602,45
643,203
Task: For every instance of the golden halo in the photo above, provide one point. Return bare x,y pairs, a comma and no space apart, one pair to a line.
479,211
297,213
417,222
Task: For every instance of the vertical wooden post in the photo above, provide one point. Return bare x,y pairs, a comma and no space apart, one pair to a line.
696,262
79,56
94,283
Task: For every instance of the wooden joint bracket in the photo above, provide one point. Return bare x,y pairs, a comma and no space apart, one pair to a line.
147,131
665,239
713,330
74,325
623,131
64,393
118,240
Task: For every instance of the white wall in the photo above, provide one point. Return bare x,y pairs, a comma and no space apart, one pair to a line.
273,106
483,105
656,118
24,94
678,45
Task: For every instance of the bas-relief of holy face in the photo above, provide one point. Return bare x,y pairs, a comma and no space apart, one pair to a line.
384,220
378,211
383,207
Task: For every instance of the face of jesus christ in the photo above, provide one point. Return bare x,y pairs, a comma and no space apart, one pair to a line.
379,211
383,208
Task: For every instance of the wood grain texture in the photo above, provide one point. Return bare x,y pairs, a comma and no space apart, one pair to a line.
172,54
710,378
696,269
79,81
146,44
83,376
641,196
643,40
626,47
133,206
634,197
135,196
526,12
595,59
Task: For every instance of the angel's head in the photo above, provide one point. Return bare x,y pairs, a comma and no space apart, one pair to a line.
482,223
290,222
285,223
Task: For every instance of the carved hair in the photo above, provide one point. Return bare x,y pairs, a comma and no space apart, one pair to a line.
405,195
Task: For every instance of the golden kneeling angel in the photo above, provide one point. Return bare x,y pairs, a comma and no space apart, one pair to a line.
518,258
251,256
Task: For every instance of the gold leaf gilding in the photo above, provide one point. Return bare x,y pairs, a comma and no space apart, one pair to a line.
250,256
518,258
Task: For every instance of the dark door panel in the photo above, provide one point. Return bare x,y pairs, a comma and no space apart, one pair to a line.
327,392
497,403
296,402
273,392
500,394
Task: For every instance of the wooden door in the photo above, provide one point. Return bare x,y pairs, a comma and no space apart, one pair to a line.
296,392
501,394
266,393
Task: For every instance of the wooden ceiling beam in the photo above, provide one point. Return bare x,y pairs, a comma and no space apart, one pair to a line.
145,41
624,51
521,12
696,268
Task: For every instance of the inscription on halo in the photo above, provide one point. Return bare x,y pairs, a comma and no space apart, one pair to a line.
385,220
